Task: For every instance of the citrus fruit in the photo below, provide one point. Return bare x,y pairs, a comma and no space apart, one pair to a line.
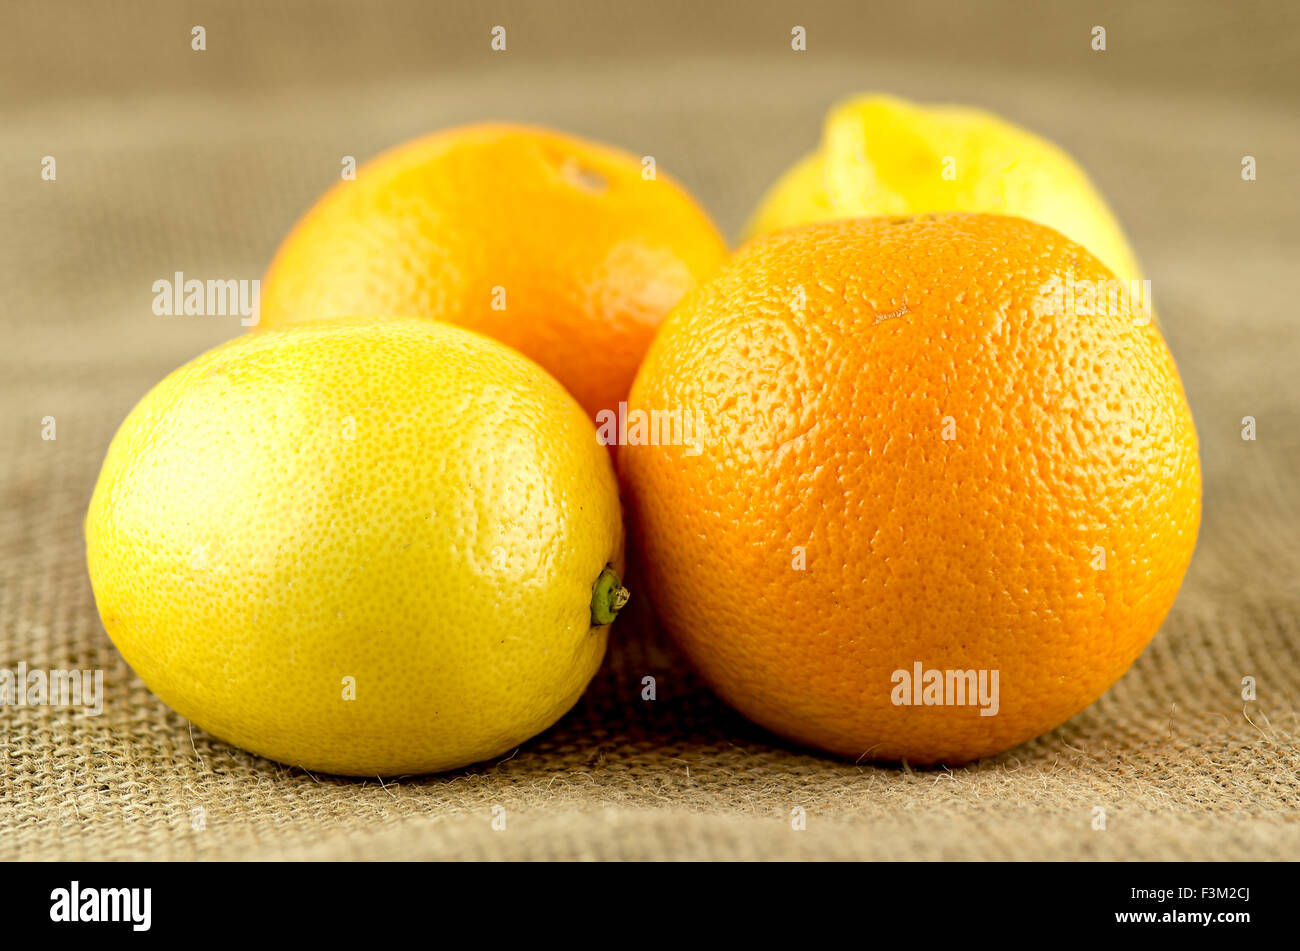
929,515
564,249
880,155
363,547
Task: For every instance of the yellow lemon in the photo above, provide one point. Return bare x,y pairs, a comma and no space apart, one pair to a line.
363,547
885,156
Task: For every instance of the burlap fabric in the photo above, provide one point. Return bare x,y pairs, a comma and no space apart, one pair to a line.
174,160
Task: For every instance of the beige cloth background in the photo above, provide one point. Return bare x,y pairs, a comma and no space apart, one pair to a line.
172,160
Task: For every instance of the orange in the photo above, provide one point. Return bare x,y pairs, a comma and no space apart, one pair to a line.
568,251
921,465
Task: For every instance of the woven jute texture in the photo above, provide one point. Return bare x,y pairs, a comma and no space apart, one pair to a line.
169,159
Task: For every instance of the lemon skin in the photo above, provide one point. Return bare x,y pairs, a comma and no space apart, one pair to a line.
362,547
882,155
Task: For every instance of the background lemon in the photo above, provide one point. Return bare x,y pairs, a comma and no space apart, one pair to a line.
402,510
880,155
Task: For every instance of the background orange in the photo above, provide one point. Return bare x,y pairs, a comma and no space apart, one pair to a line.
563,249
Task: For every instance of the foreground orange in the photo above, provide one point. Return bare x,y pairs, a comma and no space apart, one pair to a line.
928,516
564,249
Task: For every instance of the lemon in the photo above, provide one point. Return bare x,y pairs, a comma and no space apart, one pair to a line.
362,547
880,155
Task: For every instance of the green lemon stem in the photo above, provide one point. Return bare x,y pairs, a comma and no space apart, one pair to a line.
607,597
